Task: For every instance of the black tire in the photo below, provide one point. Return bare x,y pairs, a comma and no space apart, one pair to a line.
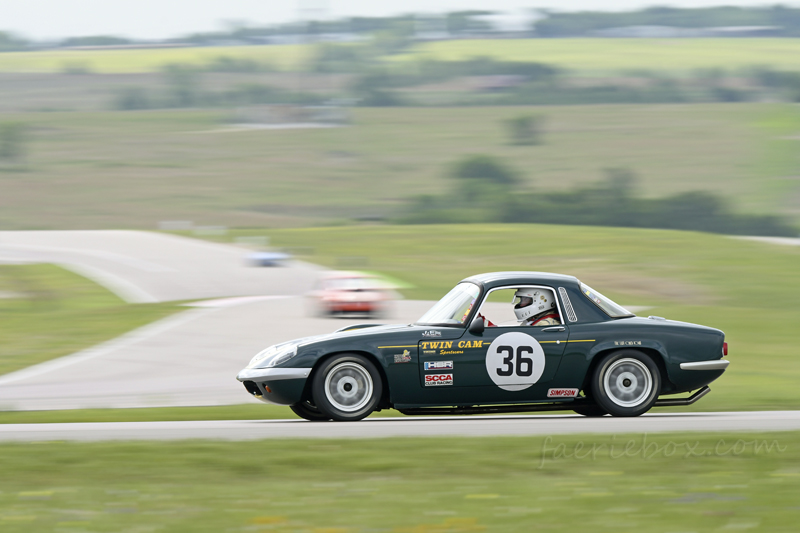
590,409
309,411
347,387
626,383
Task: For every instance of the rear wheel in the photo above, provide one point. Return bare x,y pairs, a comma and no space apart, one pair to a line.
309,411
626,383
347,387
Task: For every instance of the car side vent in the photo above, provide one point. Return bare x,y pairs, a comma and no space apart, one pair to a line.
651,317
571,316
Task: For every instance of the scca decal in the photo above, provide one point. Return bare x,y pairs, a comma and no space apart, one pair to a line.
433,380
562,393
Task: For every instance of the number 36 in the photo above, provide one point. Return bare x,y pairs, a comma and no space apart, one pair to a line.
524,365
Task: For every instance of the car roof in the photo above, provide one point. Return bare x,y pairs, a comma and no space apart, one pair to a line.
492,279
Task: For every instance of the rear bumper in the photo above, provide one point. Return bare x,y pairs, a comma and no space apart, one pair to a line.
718,364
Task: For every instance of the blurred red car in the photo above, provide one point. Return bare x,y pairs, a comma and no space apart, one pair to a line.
342,292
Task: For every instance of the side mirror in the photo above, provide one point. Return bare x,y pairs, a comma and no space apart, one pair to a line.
477,326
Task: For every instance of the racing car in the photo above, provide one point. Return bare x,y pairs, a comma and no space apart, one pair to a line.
471,353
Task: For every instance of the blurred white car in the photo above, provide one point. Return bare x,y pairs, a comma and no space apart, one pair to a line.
347,293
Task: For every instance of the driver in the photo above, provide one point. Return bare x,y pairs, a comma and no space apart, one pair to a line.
535,307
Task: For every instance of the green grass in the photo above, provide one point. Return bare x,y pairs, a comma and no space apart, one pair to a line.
659,483
612,55
250,411
47,312
133,169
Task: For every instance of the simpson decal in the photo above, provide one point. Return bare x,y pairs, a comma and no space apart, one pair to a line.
438,365
515,361
435,380
562,393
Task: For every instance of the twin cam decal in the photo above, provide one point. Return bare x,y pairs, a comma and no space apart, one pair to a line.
515,361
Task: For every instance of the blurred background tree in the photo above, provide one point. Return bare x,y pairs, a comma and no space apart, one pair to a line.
481,178
525,130
184,85
12,143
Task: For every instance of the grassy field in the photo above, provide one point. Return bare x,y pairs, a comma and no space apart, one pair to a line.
590,56
613,55
47,312
663,483
133,169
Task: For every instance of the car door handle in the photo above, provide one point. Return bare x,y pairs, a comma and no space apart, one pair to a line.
554,328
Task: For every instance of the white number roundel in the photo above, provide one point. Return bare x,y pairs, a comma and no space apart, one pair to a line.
515,361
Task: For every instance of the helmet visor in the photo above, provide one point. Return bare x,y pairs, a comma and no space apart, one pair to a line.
522,301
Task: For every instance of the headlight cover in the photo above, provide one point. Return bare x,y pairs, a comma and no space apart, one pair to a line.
274,355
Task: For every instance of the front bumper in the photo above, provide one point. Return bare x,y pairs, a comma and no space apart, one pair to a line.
272,374
281,386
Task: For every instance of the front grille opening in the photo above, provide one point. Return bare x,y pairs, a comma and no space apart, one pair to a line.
252,388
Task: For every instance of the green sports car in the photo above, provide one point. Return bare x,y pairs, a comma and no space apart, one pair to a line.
496,343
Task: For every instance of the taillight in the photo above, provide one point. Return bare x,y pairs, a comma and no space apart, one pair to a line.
724,349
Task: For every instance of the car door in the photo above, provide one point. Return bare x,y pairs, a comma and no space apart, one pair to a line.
505,362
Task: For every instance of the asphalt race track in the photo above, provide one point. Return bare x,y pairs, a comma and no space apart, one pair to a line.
755,421
144,267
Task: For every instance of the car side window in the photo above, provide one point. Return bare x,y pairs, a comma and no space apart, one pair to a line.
521,306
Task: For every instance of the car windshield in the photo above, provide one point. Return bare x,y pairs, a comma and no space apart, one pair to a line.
454,308
611,308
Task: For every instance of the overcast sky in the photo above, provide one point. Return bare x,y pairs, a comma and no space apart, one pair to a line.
152,19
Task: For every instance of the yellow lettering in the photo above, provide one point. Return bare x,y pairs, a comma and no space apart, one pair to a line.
448,343
470,344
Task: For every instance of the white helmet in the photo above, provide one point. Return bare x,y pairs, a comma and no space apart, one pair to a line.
530,302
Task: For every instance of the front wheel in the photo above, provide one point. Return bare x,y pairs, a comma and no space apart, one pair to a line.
626,383
589,409
309,411
347,387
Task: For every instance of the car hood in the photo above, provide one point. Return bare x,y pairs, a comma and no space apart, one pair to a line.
372,331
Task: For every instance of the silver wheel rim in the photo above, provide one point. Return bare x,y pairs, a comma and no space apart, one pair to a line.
628,382
348,387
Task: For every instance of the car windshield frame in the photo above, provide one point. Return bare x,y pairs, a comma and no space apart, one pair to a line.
606,304
459,302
